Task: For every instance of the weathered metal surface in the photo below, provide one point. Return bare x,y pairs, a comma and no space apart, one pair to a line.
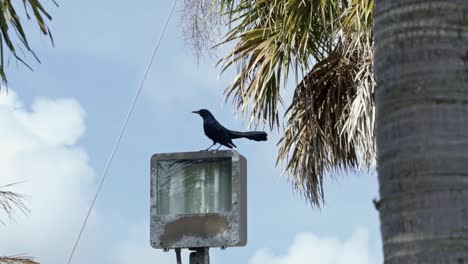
222,229
198,226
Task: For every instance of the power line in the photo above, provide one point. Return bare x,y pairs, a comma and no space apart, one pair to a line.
122,130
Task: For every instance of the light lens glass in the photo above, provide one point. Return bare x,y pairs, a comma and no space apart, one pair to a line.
194,186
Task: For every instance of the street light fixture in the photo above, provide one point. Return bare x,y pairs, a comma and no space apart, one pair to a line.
198,200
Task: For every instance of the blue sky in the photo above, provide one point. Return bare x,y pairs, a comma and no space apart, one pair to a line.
59,124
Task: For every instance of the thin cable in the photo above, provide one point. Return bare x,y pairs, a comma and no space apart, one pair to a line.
122,130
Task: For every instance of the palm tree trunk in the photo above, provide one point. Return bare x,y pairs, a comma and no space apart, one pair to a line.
421,65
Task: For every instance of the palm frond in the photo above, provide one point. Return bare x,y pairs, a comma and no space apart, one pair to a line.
9,18
10,202
17,260
330,123
201,24
329,127
356,27
329,45
273,38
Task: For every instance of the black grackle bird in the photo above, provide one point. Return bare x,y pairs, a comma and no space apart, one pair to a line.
219,134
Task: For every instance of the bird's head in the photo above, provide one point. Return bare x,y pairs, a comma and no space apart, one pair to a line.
203,113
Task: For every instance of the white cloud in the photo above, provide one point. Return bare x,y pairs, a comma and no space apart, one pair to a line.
39,147
309,248
55,122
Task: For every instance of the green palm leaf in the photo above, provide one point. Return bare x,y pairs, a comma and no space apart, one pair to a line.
9,19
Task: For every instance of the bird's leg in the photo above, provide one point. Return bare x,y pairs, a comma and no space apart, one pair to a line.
218,147
214,143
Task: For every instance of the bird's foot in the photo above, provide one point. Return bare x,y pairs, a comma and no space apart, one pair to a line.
210,147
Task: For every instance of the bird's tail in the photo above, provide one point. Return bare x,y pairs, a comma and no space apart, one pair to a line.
252,135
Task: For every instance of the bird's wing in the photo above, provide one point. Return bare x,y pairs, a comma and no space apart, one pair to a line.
216,131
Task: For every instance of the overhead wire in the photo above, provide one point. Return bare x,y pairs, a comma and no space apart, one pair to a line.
122,130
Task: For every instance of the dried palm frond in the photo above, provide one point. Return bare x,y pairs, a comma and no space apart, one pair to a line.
201,24
330,125
10,18
17,260
323,131
11,202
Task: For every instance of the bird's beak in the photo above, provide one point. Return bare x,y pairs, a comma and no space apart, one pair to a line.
196,112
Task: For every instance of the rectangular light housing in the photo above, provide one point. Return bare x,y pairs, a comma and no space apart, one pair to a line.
198,199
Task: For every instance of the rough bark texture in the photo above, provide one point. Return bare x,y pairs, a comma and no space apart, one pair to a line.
421,65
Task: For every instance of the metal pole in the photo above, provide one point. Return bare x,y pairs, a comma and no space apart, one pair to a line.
200,256
179,259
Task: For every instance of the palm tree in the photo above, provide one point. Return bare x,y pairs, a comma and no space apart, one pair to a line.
421,63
